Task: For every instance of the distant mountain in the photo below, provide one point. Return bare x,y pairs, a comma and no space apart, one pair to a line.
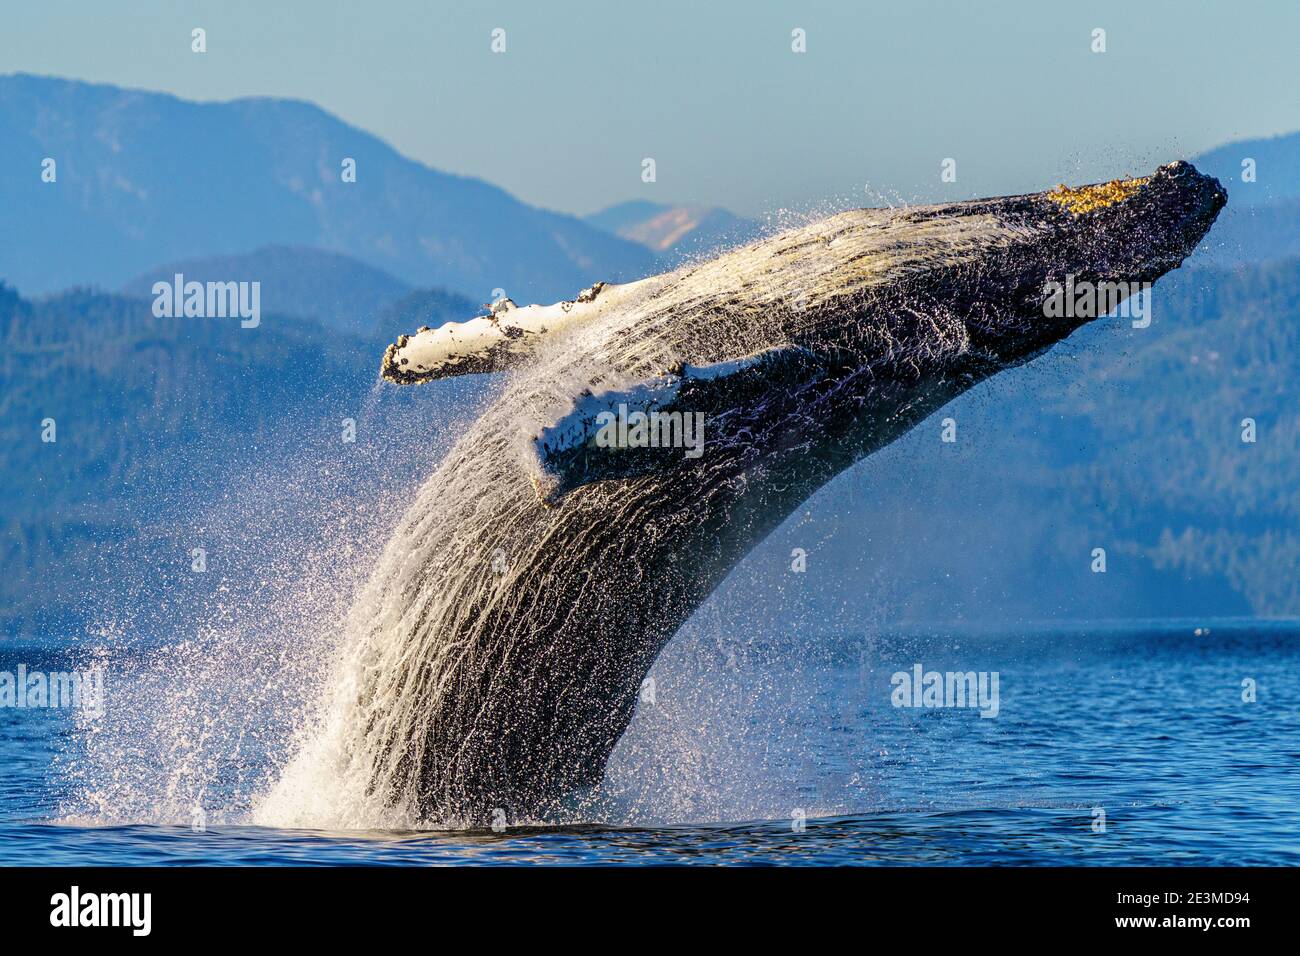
1262,219
295,280
146,178
626,215
126,390
676,232
1276,168
169,434
151,418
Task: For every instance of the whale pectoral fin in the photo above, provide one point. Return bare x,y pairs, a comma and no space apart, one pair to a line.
505,337
657,423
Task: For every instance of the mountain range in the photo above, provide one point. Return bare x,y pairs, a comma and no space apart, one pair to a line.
144,178
676,233
171,433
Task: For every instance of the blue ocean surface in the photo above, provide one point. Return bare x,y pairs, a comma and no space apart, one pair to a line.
1151,744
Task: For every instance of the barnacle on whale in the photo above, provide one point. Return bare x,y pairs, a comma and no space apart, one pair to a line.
1082,199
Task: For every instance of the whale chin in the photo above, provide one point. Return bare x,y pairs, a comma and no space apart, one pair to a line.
540,570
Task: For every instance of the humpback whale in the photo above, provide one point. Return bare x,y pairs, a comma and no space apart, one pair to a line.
537,574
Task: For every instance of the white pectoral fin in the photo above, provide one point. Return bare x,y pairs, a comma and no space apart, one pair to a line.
504,337
653,424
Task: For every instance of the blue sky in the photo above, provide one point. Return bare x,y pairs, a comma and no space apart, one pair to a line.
713,92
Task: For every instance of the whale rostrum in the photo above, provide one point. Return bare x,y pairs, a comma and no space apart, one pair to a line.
571,531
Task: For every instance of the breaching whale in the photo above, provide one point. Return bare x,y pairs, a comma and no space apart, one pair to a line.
539,571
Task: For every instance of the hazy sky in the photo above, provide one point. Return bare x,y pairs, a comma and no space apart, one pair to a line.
712,90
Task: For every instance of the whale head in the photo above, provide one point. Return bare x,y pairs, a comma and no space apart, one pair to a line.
1097,244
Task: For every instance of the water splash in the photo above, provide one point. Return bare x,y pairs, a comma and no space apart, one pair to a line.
208,689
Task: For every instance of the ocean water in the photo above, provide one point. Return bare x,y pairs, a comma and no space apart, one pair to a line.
1111,745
